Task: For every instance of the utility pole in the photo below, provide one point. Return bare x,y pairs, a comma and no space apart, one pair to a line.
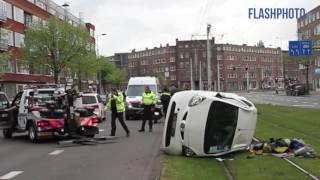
191,75
200,76
247,69
218,75
209,58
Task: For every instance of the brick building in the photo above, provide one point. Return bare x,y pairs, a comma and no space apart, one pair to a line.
264,66
15,17
309,28
159,61
175,62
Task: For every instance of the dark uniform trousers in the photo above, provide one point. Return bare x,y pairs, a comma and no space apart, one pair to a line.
147,115
114,116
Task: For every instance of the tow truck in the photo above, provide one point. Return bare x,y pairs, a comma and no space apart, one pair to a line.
41,112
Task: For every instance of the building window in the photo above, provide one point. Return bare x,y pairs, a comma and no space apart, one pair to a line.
41,4
19,39
22,68
219,57
172,59
10,38
31,1
28,19
172,68
317,30
9,10
204,54
173,78
181,55
91,32
318,15
18,14
181,65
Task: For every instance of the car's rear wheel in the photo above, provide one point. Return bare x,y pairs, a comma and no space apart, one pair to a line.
7,133
32,134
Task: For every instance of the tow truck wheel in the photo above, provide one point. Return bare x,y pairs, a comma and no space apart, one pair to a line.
32,133
7,133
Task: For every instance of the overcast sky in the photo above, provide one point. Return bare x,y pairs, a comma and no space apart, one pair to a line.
137,24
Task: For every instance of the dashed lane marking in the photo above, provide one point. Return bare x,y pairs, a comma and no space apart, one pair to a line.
303,105
56,152
11,175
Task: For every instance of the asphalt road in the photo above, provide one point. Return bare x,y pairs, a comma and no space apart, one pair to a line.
270,97
133,158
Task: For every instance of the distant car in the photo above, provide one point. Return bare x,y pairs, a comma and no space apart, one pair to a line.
92,100
203,123
296,89
104,98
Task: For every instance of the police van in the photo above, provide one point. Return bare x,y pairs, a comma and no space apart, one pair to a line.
134,93
203,123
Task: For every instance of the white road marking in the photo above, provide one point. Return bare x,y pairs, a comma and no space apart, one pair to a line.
11,175
56,152
303,105
296,101
315,103
101,130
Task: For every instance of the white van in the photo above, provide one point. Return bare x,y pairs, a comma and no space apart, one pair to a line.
203,123
134,93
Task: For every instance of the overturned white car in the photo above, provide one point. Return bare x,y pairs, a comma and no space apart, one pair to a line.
203,123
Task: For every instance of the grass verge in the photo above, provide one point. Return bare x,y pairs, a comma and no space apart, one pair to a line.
273,121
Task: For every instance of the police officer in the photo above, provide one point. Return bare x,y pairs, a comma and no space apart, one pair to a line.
148,103
116,106
165,100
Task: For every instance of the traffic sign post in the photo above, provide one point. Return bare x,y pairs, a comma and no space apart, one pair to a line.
300,48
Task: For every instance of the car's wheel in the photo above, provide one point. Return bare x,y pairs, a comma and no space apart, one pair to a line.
90,136
7,133
32,134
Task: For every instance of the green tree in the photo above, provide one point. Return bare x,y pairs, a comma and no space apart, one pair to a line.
84,68
162,79
110,73
260,44
54,45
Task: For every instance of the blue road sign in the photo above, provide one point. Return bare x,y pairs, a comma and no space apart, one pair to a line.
300,48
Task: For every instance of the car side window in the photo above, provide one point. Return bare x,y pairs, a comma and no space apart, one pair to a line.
4,103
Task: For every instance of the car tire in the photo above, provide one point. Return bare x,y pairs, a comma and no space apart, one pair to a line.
90,136
7,133
32,134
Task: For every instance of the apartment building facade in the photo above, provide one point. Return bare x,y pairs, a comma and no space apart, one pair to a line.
308,28
189,57
159,61
15,17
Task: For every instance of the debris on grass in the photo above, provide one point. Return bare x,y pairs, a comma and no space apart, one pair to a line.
283,148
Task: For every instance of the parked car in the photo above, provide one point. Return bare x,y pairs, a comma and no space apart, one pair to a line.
296,89
92,100
203,123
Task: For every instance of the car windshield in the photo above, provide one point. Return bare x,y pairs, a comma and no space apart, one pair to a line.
40,100
220,127
89,100
45,93
137,90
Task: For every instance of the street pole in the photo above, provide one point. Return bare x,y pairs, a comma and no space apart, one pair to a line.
200,76
100,72
209,58
191,75
248,79
218,69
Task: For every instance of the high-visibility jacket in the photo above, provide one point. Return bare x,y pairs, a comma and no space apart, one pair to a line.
149,98
119,102
165,98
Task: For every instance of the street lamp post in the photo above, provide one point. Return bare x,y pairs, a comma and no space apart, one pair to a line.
98,55
57,56
209,58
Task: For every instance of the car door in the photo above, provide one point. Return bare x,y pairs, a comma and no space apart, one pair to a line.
20,102
6,113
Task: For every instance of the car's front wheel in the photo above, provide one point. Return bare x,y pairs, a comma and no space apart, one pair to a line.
7,133
32,134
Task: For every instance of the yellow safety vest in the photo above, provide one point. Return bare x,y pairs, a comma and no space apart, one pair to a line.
149,98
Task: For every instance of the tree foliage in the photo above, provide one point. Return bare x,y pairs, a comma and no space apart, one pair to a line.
55,45
260,44
110,73
4,60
